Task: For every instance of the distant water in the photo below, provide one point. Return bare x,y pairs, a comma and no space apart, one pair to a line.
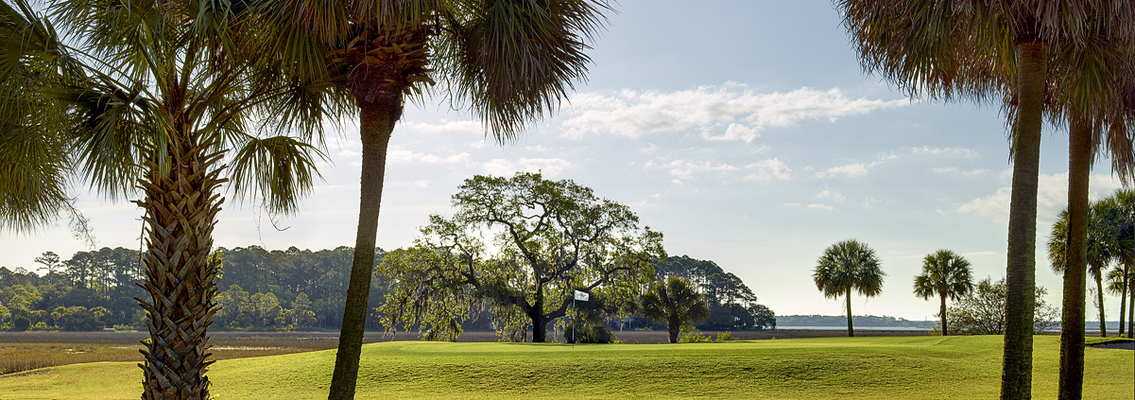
857,327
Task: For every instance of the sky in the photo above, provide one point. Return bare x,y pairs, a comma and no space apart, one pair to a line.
745,131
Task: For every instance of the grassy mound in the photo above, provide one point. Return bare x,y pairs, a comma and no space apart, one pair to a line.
830,368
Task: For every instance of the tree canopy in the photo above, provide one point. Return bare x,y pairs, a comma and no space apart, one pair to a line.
548,238
676,302
944,274
845,266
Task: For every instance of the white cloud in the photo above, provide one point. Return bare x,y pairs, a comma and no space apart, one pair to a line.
848,170
499,167
442,126
820,207
549,167
1052,197
828,194
949,151
768,169
685,169
397,155
737,114
954,171
852,170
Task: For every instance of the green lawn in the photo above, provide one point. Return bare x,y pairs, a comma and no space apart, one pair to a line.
830,368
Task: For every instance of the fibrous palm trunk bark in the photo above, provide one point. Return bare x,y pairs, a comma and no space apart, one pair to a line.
942,313
850,328
1016,367
1131,308
1076,260
1099,300
376,124
1123,301
181,207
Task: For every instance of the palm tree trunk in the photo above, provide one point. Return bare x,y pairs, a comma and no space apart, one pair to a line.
674,327
181,209
850,328
1076,260
376,124
1123,300
1099,294
1016,368
942,312
1131,308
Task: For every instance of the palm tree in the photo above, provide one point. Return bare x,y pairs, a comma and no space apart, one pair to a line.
1102,248
510,61
1125,218
944,274
1117,284
149,98
675,302
986,50
845,266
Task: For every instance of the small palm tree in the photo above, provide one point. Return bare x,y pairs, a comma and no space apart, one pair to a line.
944,274
845,266
675,302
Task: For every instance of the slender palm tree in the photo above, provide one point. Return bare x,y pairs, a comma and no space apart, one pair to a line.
1117,284
1101,249
510,61
986,50
845,266
150,98
944,274
1125,218
676,302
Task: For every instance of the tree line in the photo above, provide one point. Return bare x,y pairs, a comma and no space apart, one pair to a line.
288,290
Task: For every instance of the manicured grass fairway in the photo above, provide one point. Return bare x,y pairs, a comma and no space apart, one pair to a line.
830,368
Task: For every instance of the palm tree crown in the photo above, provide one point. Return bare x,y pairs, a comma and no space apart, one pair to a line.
676,302
845,266
944,274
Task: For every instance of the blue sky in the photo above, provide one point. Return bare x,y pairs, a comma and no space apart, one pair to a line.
744,131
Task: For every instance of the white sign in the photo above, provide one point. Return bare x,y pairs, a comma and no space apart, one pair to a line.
582,296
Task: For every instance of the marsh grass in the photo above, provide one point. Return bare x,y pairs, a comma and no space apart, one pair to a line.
24,351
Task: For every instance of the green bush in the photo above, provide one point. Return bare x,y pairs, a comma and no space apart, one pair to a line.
724,336
21,323
693,337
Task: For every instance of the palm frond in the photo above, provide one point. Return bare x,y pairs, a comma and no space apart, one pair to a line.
278,169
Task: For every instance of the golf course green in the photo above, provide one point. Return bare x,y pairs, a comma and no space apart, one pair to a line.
936,367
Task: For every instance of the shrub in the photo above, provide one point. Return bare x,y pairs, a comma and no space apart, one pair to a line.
21,323
724,336
693,337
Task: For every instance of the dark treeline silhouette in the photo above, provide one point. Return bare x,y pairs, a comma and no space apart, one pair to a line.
257,289
732,304
840,320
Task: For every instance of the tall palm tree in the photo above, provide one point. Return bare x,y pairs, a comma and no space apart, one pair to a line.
1125,218
944,274
149,98
1117,284
675,302
1102,248
987,50
845,266
510,61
